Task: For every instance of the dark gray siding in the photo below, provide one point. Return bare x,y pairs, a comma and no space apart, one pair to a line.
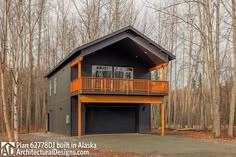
74,72
83,119
114,57
58,105
74,116
144,118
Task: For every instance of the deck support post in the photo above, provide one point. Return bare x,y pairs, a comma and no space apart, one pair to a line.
79,118
79,102
163,74
80,72
162,119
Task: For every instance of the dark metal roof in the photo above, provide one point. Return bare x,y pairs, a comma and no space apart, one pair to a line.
77,51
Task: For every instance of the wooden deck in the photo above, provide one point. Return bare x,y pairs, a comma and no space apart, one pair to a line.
118,86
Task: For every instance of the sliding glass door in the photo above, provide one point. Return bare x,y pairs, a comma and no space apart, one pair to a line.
117,83
123,73
100,71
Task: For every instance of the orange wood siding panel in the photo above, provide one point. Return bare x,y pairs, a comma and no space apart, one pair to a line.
75,85
120,99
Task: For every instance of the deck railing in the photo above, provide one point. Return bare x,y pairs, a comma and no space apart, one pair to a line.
113,85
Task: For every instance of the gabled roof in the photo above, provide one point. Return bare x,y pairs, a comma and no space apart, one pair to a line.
128,29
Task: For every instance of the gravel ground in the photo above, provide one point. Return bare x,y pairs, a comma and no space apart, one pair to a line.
146,144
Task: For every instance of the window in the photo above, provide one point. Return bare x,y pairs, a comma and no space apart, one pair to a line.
123,72
101,71
50,88
55,85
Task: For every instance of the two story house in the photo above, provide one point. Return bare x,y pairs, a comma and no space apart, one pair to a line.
105,86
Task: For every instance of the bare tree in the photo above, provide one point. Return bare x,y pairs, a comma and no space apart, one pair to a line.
233,97
3,63
15,73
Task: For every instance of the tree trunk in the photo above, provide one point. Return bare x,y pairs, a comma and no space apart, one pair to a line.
29,100
3,62
5,115
15,104
214,80
232,103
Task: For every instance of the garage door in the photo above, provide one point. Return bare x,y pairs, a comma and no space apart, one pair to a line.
105,120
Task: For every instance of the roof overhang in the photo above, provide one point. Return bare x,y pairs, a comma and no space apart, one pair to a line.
149,51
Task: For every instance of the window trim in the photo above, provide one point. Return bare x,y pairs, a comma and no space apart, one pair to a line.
55,85
132,71
110,69
50,87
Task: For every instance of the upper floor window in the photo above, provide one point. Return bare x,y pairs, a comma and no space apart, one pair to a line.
123,72
55,85
50,88
101,71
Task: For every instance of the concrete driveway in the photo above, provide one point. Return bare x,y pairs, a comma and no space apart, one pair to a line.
149,145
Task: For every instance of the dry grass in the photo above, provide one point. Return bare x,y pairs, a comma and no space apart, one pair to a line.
196,134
